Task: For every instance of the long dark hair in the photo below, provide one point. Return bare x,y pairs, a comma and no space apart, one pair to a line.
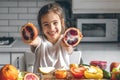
54,7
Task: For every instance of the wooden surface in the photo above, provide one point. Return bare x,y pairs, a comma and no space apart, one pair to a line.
69,77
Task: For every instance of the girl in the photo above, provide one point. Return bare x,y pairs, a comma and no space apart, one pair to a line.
49,49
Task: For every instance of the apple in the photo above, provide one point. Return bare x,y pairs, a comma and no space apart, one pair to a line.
114,65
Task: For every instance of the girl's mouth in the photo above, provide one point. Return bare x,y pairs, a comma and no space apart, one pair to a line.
52,33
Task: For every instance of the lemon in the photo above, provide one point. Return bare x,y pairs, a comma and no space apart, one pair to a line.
21,75
46,70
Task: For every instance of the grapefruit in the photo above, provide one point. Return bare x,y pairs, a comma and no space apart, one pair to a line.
72,36
29,32
31,76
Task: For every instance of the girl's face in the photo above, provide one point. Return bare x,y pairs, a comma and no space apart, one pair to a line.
51,25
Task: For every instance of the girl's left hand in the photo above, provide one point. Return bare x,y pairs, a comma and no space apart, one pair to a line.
68,48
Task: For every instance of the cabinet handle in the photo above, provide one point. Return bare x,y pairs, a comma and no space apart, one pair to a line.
18,62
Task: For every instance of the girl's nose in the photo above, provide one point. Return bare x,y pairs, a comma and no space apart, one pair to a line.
51,26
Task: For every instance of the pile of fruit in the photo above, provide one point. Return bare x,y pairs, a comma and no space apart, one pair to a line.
76,72
95,70
10,72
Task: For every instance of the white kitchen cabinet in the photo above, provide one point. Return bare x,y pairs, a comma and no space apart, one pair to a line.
14,55
4,59
96,6
18,60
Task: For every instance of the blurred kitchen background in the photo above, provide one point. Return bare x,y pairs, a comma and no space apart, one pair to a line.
15,13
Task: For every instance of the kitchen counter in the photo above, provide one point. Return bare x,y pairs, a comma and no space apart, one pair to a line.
99,46
18,46
109,52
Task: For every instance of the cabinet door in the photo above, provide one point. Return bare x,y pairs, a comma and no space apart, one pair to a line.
96,6
4,59
17,59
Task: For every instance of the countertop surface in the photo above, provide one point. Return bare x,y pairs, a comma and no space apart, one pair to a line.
17,46
99,46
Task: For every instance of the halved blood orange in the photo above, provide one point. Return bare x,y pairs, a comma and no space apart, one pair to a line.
72,36
29,32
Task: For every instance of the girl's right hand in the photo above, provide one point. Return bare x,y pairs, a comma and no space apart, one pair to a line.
35,42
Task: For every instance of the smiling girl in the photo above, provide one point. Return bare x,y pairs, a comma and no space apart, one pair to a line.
49,48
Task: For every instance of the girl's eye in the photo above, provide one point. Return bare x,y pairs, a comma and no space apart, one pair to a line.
45,25
55,23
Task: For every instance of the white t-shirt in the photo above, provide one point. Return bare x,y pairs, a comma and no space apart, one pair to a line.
49,55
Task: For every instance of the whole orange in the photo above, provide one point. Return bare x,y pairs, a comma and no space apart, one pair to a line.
9,72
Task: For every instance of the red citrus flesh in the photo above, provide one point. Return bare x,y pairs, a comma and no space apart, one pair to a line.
31,76
72,36
29,32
